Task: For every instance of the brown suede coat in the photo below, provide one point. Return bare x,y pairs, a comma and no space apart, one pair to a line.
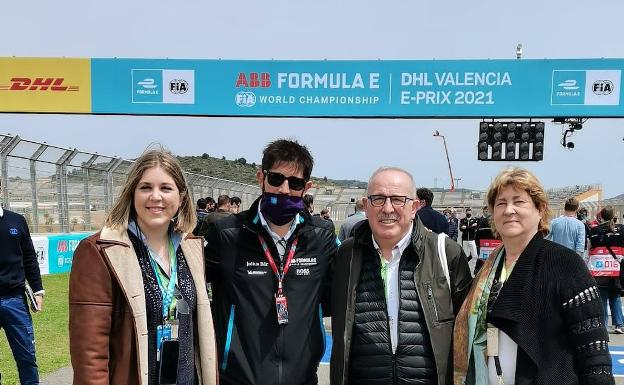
107,313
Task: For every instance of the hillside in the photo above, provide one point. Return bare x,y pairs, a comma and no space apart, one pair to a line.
240,170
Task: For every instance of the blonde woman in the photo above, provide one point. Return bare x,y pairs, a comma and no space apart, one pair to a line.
533,314
138,306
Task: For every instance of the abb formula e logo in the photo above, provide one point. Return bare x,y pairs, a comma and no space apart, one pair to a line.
38,84
253,80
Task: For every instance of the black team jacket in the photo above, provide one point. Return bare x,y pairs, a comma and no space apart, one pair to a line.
252,347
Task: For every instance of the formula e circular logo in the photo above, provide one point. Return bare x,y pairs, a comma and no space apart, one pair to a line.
245,99
178,86
602,87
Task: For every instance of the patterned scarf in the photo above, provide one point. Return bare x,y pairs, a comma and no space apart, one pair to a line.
470,334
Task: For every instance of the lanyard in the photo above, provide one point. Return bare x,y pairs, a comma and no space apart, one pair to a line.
279,274
166,284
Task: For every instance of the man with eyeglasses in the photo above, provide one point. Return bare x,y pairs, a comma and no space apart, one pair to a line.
270,272
393,307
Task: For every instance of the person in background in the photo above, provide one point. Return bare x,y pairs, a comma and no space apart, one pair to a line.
567,230
484,238
346,230
210,204
325,216
235,204
451,217
222,211
308,201
607,241
201,212
432,219
139,311
533,314
468,226
583,217
18,264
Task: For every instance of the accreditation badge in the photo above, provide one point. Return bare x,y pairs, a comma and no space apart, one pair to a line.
281,305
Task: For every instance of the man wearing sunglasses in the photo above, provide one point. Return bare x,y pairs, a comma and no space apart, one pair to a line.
393,307
269,268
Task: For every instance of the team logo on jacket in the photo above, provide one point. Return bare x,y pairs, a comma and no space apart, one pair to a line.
13,231
257,268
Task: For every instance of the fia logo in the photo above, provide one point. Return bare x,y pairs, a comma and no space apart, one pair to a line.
178,86
602,87
245,99
13,231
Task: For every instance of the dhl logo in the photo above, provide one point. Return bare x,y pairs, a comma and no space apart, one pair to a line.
38,84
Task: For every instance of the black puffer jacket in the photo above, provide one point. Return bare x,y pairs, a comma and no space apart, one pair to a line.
372,360
252,347
439,304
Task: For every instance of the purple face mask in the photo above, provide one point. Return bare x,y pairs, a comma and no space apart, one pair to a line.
280,208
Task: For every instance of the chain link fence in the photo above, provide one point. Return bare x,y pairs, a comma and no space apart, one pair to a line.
60,189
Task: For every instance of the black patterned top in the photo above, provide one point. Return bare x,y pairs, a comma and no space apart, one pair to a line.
153,304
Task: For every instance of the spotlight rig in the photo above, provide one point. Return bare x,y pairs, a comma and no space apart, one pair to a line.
573,125
511,141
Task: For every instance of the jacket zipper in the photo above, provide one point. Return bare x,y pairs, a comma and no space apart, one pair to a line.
432,301
281,328
394,374
393,353
279,363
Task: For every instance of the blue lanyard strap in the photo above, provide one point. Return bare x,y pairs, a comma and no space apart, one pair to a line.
166,284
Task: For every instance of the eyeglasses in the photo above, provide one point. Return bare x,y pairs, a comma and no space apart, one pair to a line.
276,179
494,292
395,200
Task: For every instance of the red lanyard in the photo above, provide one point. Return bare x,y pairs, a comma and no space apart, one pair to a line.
279,274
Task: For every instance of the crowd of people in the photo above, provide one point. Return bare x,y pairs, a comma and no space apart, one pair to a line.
415,296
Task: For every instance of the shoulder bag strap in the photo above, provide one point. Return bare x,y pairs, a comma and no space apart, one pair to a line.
442,256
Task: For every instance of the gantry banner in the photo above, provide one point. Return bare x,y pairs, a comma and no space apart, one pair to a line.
45,85
281,88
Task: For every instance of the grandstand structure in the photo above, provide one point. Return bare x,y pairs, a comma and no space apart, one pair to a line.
61,189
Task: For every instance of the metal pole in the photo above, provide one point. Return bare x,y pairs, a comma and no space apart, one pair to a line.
63,200
437,133
33,186
86,167
8,146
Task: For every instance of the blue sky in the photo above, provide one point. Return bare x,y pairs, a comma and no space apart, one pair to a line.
348,29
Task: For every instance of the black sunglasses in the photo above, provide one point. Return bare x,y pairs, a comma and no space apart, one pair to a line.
276,179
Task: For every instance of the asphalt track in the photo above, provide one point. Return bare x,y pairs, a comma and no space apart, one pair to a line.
616,346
